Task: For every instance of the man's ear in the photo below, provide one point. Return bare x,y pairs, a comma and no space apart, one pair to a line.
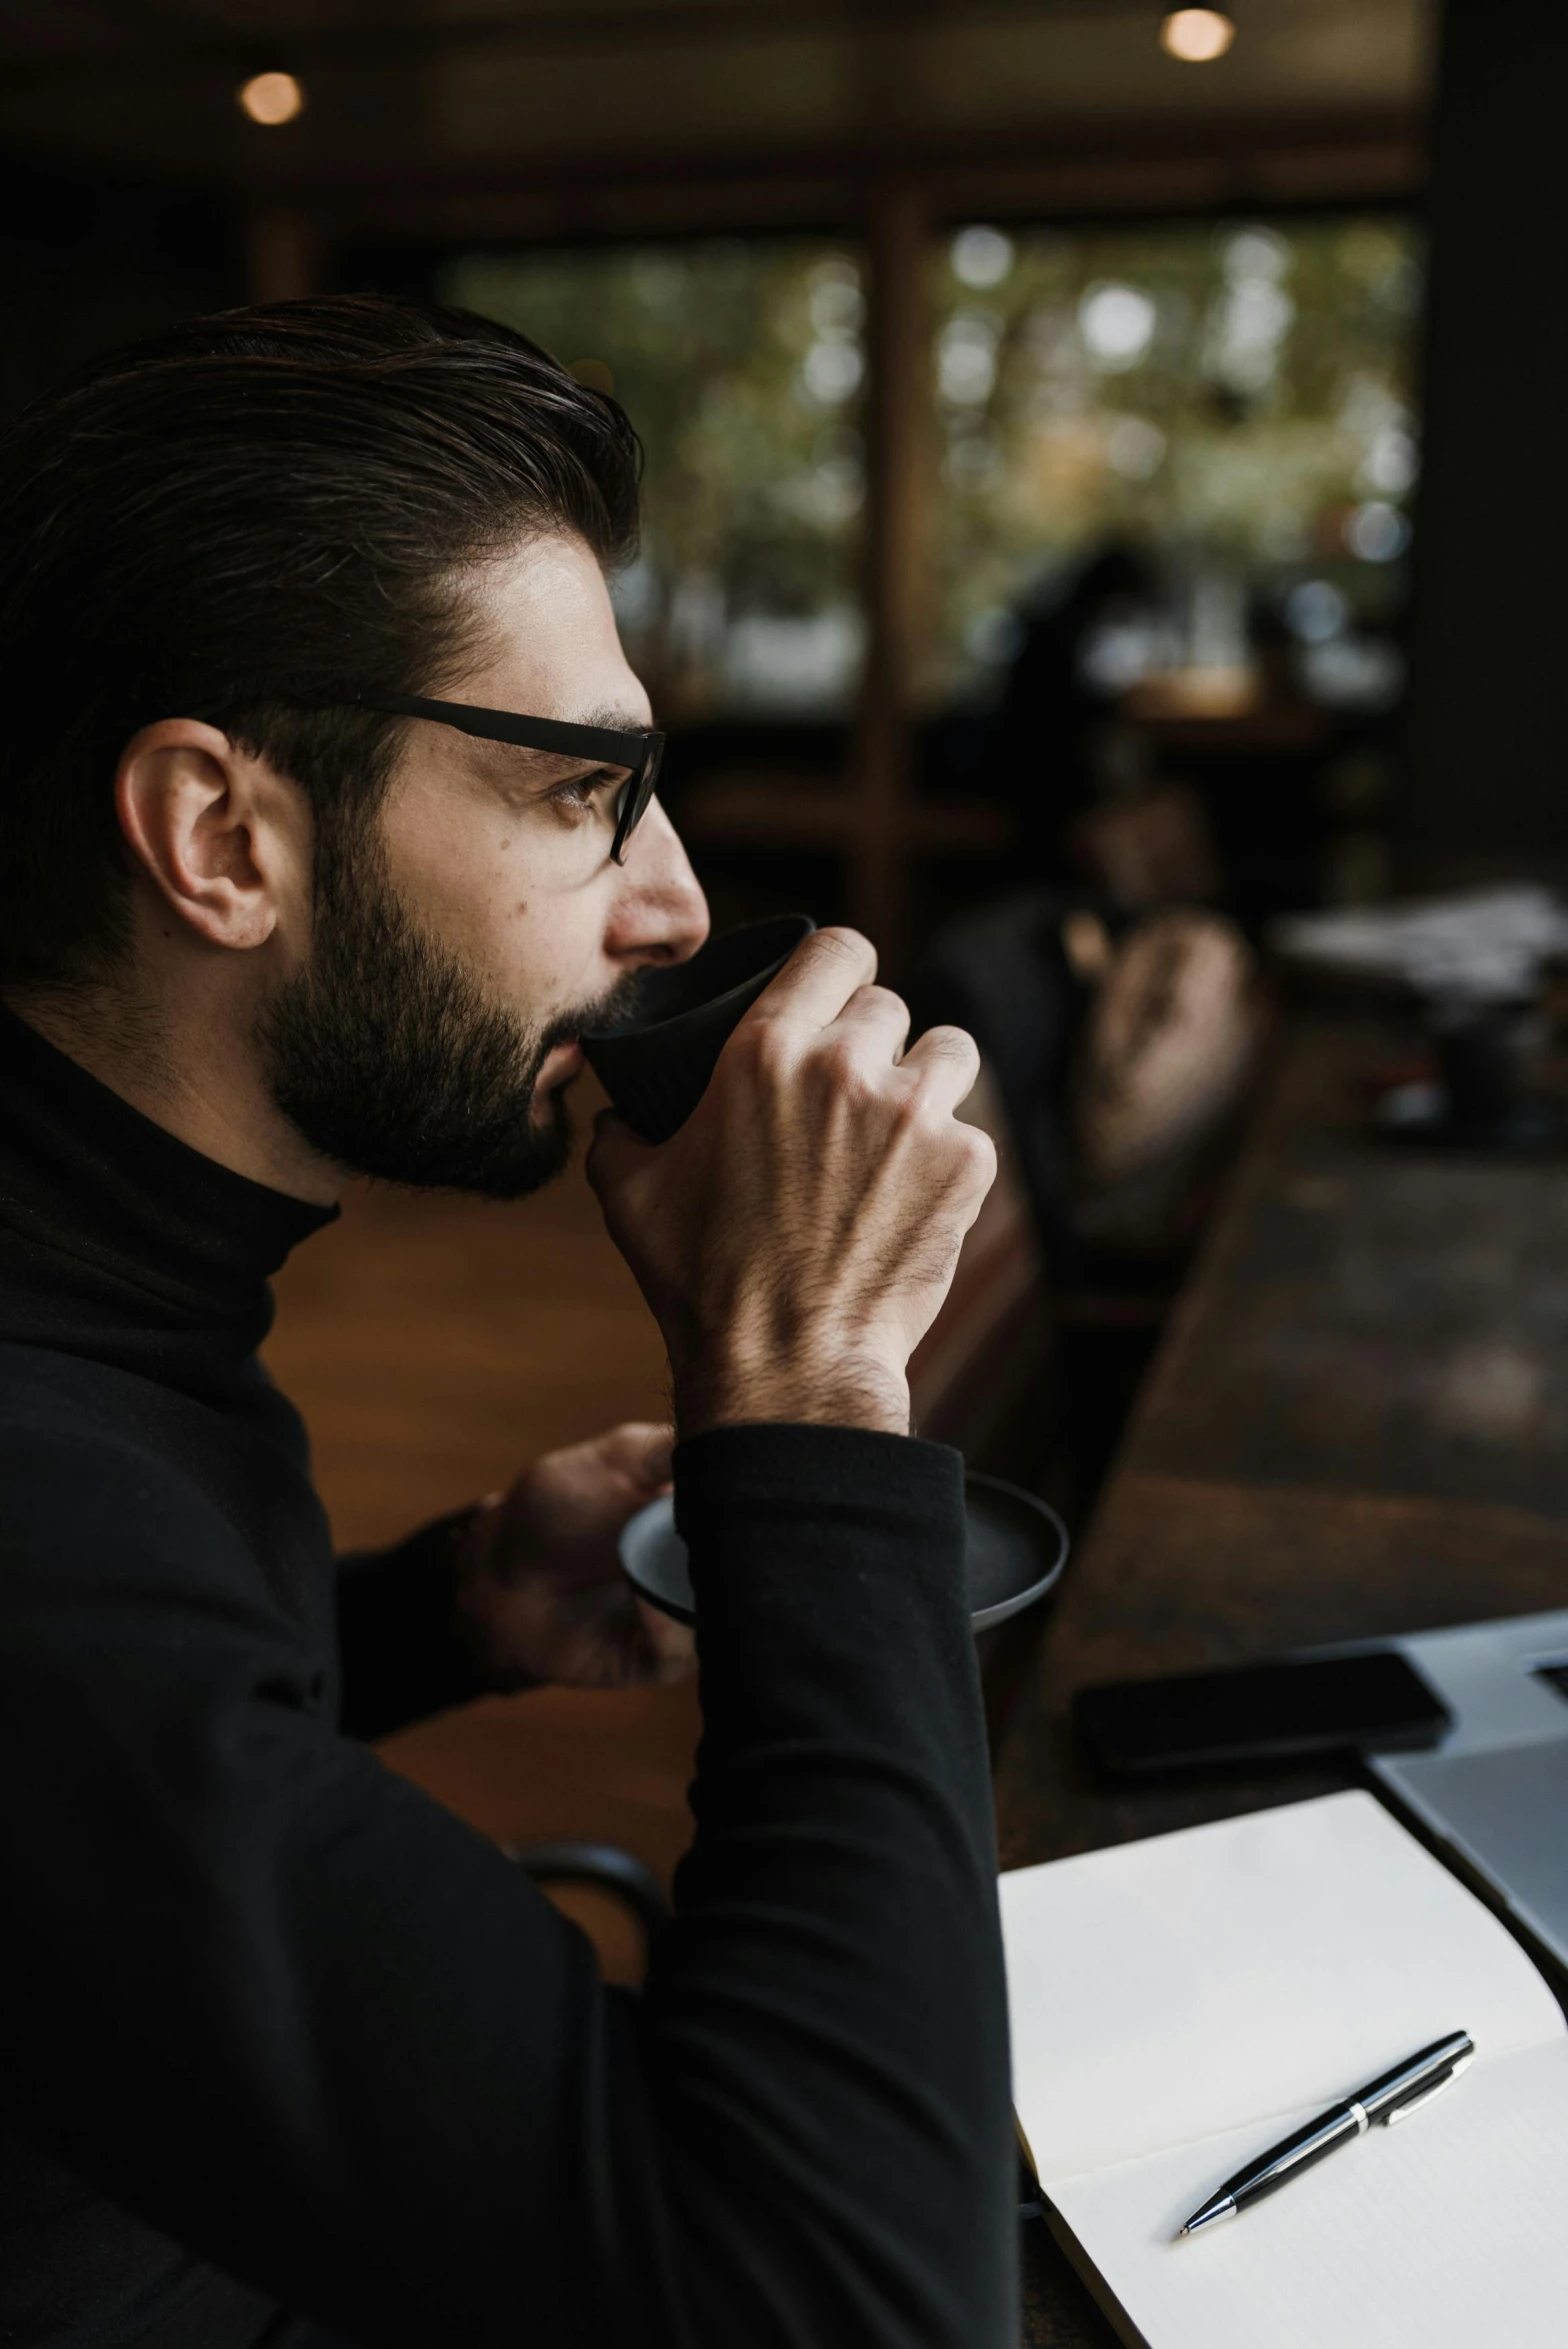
219,834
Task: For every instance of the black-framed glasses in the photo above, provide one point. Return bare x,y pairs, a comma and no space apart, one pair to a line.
640,751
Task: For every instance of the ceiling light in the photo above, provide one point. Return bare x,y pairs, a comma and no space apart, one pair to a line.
1196,35
271,98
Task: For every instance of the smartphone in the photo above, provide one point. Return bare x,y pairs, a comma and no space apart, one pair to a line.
1259,1713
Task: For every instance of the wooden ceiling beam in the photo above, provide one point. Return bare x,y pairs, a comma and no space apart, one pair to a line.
176,45
155,20
1012,171
1085,190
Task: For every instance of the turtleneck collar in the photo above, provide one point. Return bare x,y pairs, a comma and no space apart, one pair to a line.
121,1215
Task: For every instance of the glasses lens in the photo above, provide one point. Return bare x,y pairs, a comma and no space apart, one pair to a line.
635,795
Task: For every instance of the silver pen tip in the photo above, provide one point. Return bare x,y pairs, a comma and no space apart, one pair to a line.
1222,2207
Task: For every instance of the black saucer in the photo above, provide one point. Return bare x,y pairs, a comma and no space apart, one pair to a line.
1015,1551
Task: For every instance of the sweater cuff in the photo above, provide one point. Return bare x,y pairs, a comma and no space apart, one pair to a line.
804,1502
771,1457
397,1627
832,1607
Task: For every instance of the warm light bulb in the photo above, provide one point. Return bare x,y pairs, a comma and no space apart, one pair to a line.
271,98
1196,35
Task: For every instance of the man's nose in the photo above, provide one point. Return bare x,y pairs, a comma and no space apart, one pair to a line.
661,915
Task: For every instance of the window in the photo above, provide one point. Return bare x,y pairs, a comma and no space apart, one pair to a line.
740,363
1235,399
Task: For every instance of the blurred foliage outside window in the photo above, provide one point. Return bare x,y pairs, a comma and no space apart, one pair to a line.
1233,398
740,363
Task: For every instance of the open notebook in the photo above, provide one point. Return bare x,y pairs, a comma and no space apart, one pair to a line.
1180,2004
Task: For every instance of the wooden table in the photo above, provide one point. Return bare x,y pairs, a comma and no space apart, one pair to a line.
1355,1425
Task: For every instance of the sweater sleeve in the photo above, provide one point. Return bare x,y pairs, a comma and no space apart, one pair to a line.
282,2006
400,1655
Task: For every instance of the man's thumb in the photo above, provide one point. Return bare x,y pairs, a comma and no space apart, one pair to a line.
657,1455
614,1152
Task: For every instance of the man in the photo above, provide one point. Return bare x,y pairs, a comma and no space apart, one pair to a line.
287,2053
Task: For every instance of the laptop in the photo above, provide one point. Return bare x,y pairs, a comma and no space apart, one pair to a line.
1494,1790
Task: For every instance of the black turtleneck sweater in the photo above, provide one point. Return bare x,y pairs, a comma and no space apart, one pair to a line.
288,2053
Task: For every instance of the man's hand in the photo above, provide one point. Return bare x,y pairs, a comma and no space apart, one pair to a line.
797,1236
543,1596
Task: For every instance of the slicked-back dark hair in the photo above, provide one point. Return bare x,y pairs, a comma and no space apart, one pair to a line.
247,513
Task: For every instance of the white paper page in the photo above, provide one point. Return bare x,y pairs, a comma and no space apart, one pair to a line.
1447,2232
1162,1991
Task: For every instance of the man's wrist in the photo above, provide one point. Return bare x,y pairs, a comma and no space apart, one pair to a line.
828,1390
478,1597
472,1540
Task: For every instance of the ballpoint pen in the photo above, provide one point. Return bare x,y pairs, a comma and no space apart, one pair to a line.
1392,2096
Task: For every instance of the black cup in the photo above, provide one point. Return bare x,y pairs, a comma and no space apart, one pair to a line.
656,1065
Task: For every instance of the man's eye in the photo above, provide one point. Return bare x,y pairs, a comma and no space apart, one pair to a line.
582,790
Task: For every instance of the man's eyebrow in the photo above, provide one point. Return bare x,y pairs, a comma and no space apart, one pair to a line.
614,721
606,719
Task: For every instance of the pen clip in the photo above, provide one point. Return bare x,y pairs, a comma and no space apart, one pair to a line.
1413,2104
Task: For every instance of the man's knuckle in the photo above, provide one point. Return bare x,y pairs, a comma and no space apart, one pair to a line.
838,1058
978,1152
762,1046
919,1114
952,1044
839,941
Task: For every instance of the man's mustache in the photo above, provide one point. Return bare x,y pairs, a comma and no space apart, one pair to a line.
607,1011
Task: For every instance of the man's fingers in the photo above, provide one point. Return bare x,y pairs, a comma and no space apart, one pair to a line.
640,1449
670,1646
947,1062
818,980
877,1019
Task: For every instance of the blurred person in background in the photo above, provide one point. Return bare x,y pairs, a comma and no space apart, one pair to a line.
1044,742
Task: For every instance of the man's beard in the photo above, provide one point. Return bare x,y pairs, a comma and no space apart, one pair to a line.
384,1053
